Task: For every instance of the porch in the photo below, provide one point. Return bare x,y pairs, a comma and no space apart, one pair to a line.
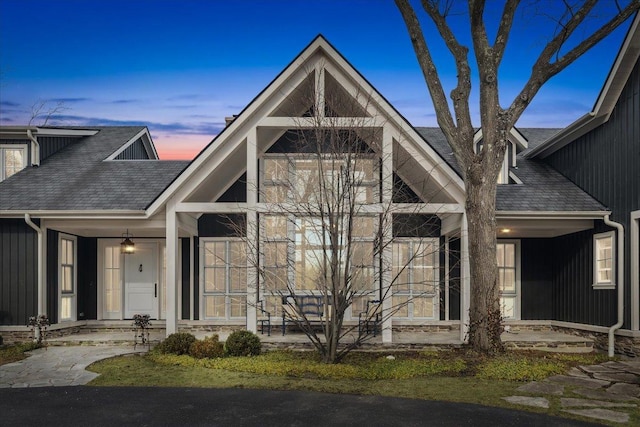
542,338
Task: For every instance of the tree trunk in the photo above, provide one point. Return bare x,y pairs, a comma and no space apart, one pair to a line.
485,320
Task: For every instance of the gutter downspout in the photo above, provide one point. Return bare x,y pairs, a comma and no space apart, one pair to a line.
620,253
35,156
41,305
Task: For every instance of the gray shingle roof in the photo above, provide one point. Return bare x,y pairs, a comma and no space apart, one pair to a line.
542,189
78,178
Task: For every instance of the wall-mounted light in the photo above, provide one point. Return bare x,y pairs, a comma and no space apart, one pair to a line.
505,230
127,246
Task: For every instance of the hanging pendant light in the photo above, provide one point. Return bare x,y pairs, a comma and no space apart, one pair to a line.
127,246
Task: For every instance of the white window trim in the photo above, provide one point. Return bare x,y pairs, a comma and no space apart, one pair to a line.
3,147
518,264
436,279
227,293
612,283
74,295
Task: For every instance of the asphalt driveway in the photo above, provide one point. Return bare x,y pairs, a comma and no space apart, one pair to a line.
139,406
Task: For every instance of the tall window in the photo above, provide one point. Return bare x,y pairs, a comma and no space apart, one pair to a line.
415,275
603,260
12,159
112,282
224,265
68,275
508,277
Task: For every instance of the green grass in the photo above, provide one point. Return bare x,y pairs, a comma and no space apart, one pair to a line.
14,353
455,376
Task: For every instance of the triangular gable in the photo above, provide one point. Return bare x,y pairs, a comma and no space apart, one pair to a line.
621,70
226,154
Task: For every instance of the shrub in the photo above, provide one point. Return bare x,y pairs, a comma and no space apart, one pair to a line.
243,343
208,348
178,343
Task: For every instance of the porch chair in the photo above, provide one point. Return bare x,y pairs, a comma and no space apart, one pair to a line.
264,317
370,319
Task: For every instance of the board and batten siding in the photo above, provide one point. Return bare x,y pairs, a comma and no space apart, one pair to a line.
49,145
135,151
605,163
18,272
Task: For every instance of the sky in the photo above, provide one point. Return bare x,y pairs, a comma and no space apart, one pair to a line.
181,66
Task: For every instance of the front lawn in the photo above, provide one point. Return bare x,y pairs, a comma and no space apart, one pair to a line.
14,353
449,375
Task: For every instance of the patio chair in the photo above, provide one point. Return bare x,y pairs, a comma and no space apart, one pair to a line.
264,318
370,319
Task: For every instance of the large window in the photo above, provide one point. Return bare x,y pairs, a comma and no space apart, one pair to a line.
12,159
508,254
415,278
604,261
296,255
300,179
112,282
224,276
68,277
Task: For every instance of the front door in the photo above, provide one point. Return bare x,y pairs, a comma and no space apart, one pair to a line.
141,281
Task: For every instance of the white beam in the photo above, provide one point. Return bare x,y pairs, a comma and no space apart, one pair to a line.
172,269
315,122
211,207
252,199
465,278
187,223
386,273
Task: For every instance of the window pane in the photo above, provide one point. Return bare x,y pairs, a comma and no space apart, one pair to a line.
275,279
65,308
214,306
214,279
276,169
363,226
400,306
422,307
509,255
364,170
238,279
67,279
13,161
238,254
275,227
275,194
508,280
507,305
238,306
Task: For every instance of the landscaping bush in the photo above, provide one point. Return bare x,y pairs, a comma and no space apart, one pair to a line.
208,348
178,343
243,343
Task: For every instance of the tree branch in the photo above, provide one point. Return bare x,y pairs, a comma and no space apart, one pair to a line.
504,30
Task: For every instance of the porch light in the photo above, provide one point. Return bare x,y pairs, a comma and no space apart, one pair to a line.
127,246
506,230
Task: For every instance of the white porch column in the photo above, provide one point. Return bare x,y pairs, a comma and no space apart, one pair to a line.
387,236
42,273
251,229
172,268
465,278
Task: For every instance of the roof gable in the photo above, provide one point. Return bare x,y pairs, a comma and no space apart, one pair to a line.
620,72
321,67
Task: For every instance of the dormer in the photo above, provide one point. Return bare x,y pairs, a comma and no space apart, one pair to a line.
140,147
517,144
22,146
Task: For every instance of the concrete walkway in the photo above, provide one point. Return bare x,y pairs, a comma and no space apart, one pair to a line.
57,366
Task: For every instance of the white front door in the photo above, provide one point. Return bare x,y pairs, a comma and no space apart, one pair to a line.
141,281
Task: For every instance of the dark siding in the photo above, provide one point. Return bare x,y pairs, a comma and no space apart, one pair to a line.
49,145
536,286
185,279
18,272
196,278
454,279
575,300
135,151
605,164
215,225
87,278
416,225
52,275
237,192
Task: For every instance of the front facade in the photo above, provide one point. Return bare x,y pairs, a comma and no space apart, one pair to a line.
221,238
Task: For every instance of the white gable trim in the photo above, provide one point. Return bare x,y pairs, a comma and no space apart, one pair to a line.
607,99
147,142
234,135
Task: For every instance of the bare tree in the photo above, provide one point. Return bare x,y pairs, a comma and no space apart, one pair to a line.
43,111
481,169
331,237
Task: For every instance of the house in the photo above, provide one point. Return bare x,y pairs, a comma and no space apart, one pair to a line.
81,193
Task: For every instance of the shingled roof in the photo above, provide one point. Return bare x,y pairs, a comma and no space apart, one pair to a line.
542,189
78,177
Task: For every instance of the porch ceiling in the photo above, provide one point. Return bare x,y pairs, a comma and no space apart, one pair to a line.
540,227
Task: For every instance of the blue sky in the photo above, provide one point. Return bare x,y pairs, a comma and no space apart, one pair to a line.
180,67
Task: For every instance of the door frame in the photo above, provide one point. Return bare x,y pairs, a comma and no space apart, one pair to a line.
634,231
102,244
